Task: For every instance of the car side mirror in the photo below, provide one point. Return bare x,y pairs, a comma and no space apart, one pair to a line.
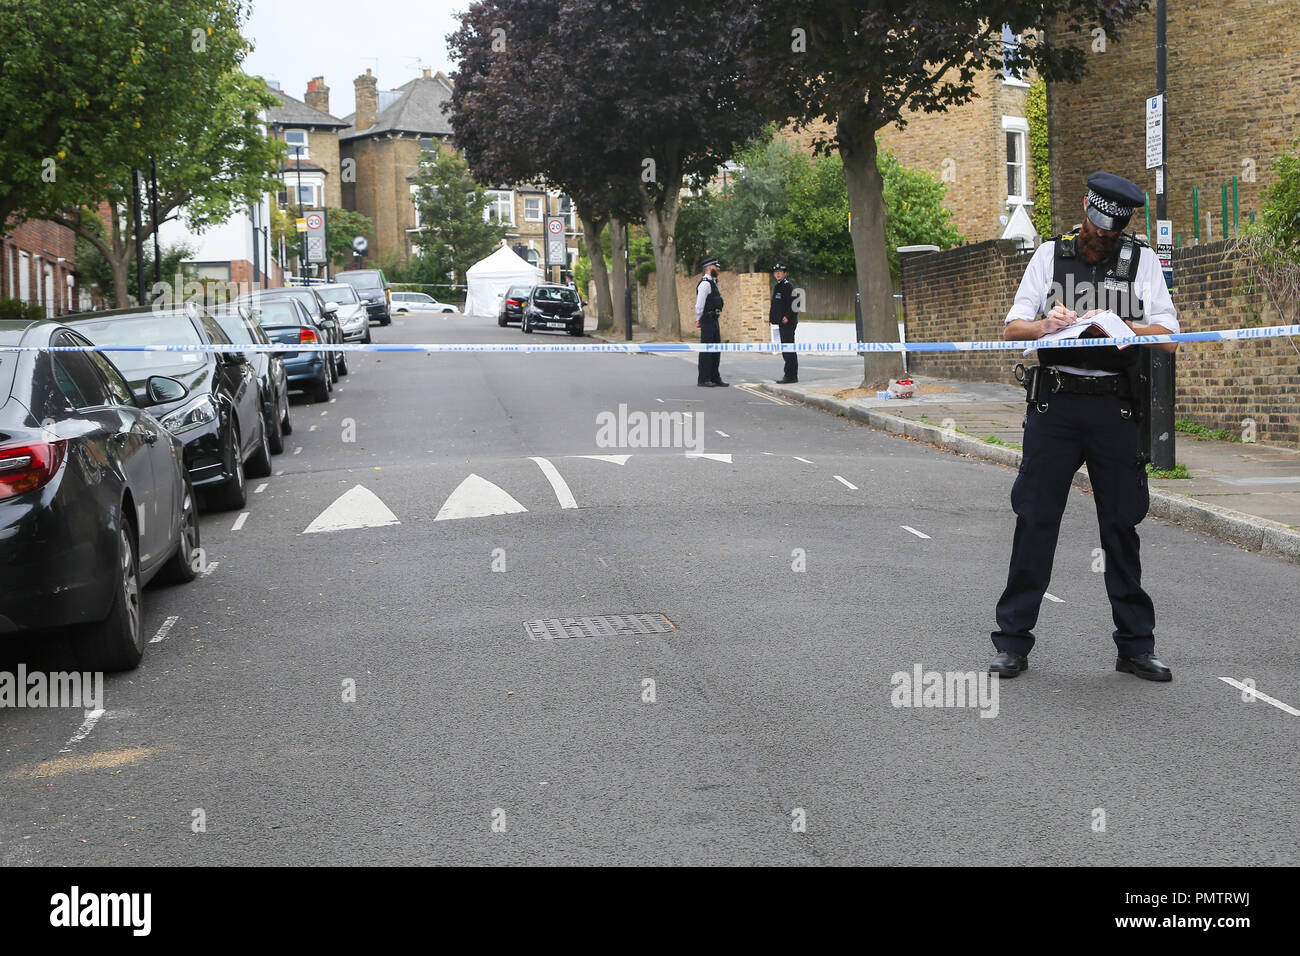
331,308
234,358
160,389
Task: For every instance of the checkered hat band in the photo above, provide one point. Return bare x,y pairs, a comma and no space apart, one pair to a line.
1108,206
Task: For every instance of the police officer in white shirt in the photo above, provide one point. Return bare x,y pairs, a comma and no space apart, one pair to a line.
1084,405
708,311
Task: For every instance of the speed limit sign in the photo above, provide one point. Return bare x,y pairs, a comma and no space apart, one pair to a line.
314,221
556,254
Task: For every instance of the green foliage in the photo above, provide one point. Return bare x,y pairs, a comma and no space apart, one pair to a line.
1279,219
815,228
1178,471
914,201
1039,162
343,226
1186,426
451,208
19,311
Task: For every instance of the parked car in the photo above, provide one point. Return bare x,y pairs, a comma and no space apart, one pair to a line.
373,288
322,314
287,322
95,499
553,307
512,305
213,403
269,367
352,316
404,302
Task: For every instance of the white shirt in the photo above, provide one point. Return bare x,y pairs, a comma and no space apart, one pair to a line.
701,293
1149,285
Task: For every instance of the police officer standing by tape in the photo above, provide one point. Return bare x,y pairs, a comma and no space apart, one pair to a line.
782,316
708,310
1083,407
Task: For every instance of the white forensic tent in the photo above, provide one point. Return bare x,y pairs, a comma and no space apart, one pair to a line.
488,279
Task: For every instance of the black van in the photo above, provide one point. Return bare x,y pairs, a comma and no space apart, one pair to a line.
372,289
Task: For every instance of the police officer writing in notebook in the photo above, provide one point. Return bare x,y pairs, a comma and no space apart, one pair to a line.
708,310
784,319
1084,405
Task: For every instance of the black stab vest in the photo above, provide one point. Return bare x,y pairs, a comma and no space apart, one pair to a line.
1082,287
713,301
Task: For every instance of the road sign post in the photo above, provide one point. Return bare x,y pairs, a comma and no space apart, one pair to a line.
557,253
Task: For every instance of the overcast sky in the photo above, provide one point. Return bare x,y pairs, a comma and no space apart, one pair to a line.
294,40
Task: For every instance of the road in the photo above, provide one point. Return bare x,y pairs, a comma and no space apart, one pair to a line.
771,738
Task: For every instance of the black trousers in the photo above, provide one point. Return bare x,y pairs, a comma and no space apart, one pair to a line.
710,362
1078,429
786,330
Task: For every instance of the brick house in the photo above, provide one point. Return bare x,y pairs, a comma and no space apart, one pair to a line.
1233,106
37,266
312,136
385,138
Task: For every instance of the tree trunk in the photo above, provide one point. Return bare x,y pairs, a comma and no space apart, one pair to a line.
592,227
618,274
114,251
871,258
661,221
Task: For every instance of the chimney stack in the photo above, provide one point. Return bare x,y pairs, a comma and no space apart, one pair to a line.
428,73
318,94
367,101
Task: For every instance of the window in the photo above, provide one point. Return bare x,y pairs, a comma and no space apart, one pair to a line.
566,210
76,377
307,195
1010,46
502,206
118,390
532,209
1017,133
415,202
426,142
297,142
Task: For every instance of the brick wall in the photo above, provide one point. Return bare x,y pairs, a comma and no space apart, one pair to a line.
1234,96
744,315
963,295
45,244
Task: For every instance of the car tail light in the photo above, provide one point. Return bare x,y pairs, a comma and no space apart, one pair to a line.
25,468
514,301
306,336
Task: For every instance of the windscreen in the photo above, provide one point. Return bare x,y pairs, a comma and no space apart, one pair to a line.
362,281
234,328
544,294
342,294
269,313
151,329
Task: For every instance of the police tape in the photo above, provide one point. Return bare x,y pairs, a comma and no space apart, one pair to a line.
818,348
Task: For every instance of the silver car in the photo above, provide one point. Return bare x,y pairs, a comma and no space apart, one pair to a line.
353,319
411,302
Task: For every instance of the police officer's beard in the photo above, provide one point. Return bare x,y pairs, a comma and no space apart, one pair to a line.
1097,248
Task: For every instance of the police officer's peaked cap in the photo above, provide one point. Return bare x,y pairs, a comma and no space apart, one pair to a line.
711,261
780,267
1111,201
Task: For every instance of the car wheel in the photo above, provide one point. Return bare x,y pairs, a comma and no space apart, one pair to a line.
117,643
259,466
180,568
525,326
501,321
320,389
385,320
234,493
576,329
274,432
286,426
366,340
343,364
334,366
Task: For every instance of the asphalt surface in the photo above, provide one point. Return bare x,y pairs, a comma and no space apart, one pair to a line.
470,742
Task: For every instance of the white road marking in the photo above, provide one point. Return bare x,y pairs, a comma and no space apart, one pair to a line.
477,497
87,725
686,414
612,459
324,413
558,484
723,434
333,400
239,522
659,400
919,534
1053,598
1258,696
261,488
750,390
298,450
358,507
846,483
209,569
280,473
725,459
804,460
162,631
312,429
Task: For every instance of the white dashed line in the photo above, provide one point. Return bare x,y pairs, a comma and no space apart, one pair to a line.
1053,598
209,569
324,413
1246,689
846,483
162,631
804,460
723,434
280,473
919,534
711,456
298,450
312,429
558,484
261,488
333,400
239,522
659,400
87,725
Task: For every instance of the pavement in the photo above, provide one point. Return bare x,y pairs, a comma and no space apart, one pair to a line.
351,681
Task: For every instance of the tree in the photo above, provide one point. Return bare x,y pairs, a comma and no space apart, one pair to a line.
89,90
96,271
344,225
916,214
1270,247
862,66
1039,156
452,206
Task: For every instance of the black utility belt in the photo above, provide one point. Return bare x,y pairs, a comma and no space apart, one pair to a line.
1040,381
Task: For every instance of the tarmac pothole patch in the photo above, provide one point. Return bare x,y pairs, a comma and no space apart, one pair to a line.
605,625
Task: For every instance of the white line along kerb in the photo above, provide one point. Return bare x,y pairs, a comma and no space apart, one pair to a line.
558,484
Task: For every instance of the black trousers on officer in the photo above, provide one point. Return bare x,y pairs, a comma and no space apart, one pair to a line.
1077,429
787,337
710,362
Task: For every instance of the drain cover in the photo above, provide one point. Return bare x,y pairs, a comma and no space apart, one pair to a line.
607,625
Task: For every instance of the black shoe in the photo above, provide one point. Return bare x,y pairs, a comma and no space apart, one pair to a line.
1145,666
787,381
706,384
721,384
1007,664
